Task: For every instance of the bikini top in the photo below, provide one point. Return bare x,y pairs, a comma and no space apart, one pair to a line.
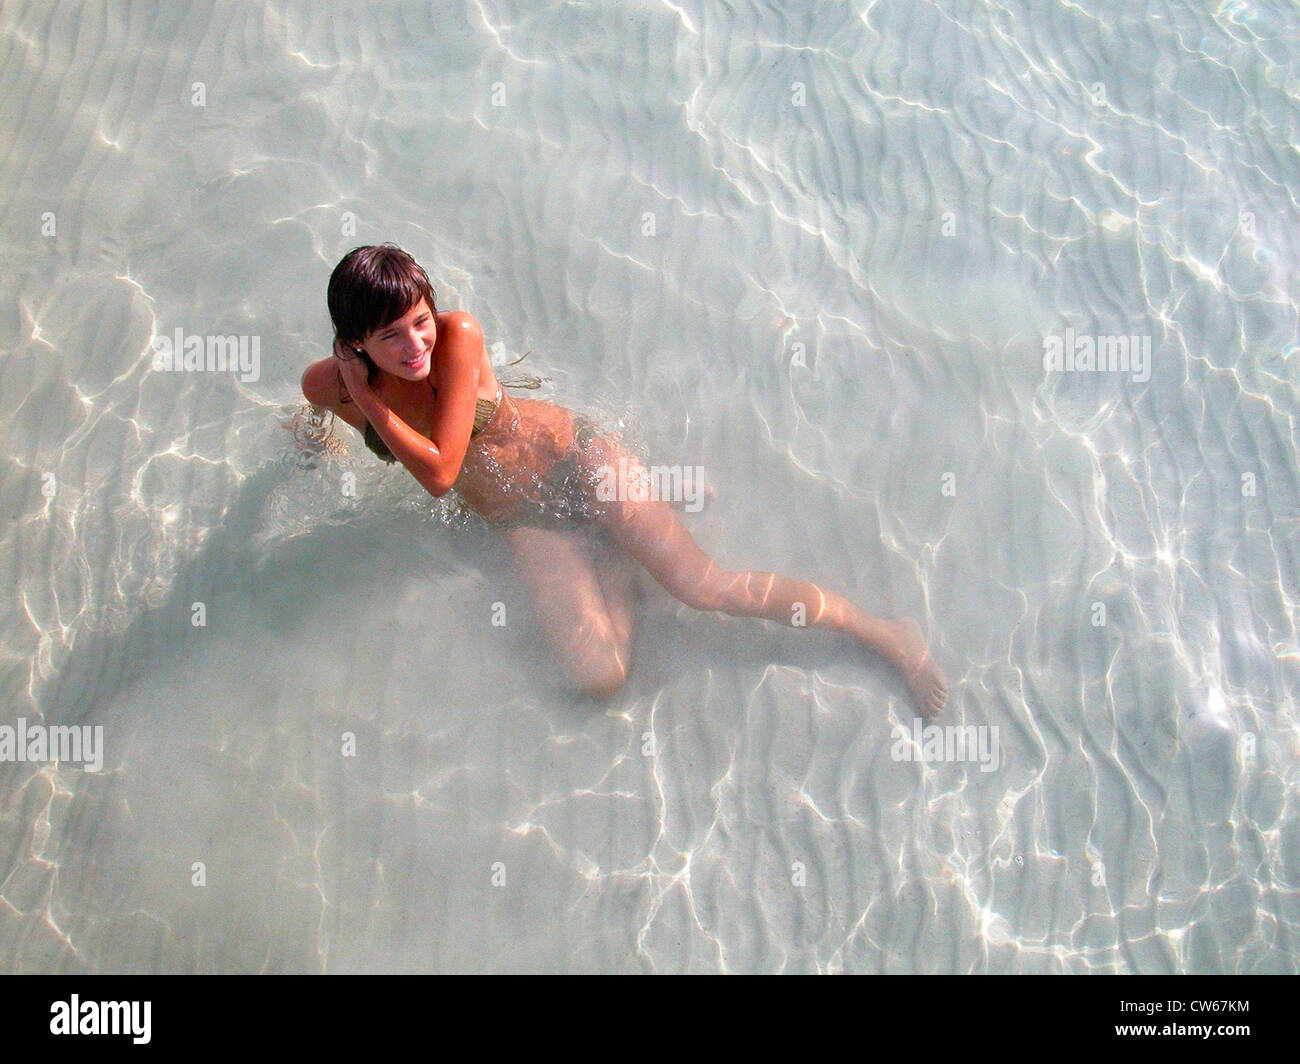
483,411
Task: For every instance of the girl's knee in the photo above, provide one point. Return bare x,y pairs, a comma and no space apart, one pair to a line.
600,680
597,666
714,593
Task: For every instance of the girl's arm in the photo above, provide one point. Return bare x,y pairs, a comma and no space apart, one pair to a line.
322,386
434,462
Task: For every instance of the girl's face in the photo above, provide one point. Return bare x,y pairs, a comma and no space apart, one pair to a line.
404,347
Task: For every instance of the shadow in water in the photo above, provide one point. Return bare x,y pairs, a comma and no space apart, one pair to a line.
273,580
243,575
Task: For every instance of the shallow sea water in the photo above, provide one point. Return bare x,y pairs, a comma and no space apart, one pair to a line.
817,249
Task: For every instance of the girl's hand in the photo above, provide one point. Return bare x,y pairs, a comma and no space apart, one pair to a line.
355,375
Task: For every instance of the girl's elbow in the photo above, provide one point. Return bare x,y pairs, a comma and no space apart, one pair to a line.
436,475
438,484
444,476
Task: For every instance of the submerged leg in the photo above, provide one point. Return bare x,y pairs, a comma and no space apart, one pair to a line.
585,612
616,574
652,534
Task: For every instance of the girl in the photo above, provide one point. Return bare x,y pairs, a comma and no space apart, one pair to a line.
419,386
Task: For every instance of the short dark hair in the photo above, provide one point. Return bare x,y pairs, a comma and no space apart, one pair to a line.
372,286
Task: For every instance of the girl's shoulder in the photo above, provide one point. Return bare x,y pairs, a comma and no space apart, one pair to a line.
457,319
322,386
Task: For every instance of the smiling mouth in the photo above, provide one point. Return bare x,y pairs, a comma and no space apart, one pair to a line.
415,362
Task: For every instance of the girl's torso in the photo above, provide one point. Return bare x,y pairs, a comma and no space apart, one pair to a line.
518,468
506,475
529,454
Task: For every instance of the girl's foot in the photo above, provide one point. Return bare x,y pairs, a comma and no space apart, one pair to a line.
912,657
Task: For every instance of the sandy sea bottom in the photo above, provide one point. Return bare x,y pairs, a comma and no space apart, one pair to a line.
820,253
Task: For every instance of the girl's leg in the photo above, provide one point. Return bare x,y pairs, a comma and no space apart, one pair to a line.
616,574
652,534
583,604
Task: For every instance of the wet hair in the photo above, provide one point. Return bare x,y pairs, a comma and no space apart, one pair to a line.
371,287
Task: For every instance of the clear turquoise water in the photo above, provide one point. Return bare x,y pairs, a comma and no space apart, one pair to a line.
660,201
